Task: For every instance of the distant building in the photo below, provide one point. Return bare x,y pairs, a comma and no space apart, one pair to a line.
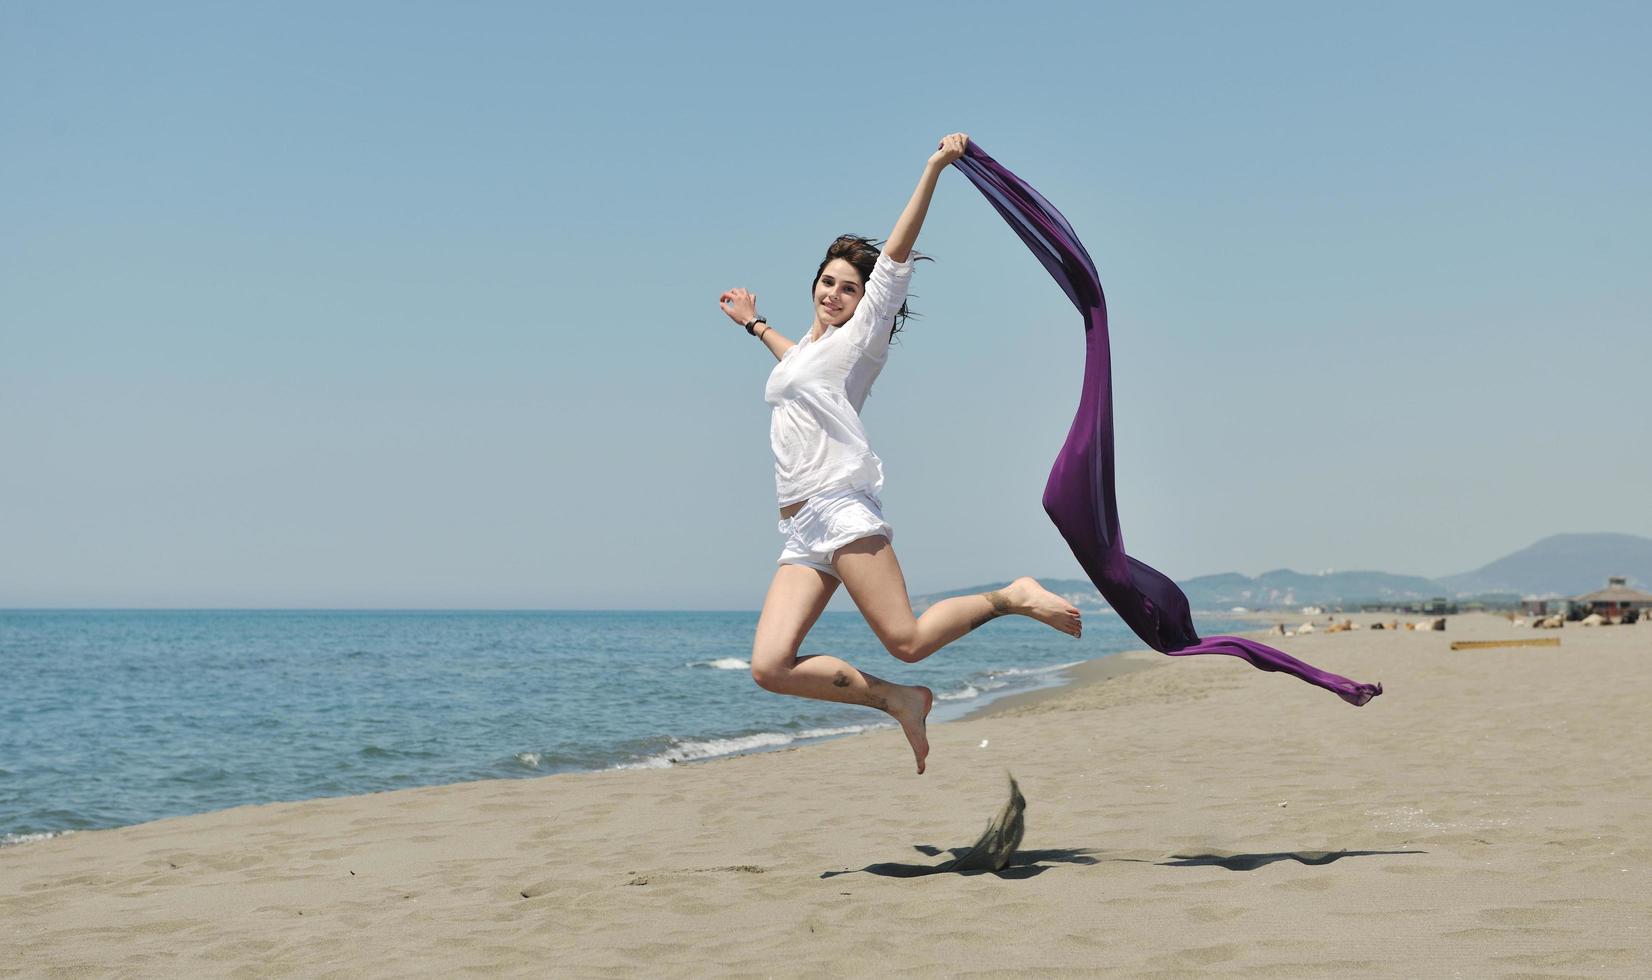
1539,605
1616,599
1436,606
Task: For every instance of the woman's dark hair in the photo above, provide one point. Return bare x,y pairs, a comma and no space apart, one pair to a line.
862,253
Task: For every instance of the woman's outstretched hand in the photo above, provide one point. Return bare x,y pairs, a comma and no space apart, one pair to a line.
739,304
951,148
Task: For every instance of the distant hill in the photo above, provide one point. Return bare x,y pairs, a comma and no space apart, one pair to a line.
1270,590
1287,588
1564,564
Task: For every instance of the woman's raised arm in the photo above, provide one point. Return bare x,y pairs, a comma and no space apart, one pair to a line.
905,235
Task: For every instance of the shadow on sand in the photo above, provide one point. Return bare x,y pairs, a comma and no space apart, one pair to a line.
1023,864
1250,862
997,852
1028,864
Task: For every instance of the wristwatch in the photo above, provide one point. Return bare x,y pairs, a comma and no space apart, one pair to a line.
751,324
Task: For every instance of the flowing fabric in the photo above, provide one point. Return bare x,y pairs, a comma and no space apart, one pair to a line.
1079,495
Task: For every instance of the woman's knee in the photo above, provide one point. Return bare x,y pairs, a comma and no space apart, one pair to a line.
770,674
905,646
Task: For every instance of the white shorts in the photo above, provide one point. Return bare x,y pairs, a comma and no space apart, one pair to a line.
827,522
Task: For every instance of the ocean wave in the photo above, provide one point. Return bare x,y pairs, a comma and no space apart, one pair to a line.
530,759
996,680
9,840
722,663
390,752
1031,671
697,750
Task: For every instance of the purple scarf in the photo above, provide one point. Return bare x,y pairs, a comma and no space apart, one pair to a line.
1079,495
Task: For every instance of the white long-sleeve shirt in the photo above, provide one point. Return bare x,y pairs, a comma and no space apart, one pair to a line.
817,391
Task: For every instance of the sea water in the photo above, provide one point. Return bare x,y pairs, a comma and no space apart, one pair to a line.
110,718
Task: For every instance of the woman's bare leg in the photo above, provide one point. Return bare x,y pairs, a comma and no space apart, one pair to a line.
873,576
797,596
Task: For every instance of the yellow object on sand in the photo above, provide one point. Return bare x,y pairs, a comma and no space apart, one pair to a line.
1548,641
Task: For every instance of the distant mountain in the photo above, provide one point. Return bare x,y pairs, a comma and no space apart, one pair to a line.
1564,564
1287,588
1270,590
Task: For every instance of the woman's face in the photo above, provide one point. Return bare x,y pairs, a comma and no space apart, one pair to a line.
837,293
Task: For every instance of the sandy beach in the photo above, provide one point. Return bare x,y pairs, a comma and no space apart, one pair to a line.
1490,815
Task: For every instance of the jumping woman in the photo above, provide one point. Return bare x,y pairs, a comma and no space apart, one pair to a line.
829,482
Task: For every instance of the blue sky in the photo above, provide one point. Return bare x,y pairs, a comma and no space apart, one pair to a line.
414,304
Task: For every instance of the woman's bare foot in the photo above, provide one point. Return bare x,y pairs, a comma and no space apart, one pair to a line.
1028,598
911,708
